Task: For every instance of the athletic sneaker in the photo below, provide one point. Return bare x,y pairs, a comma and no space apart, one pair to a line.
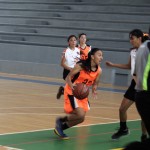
120,133
60,92
59,131
143,137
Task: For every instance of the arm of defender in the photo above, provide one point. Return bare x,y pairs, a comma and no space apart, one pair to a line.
121,66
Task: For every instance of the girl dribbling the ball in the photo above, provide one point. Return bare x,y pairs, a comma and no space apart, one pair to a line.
85,71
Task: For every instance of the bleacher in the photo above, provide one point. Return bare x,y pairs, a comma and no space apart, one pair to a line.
33,33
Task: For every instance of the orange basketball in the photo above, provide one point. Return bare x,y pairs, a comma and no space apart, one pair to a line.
81,91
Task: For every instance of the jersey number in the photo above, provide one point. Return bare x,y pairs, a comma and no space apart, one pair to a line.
86,81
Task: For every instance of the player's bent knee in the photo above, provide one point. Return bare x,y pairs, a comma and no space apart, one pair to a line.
81,119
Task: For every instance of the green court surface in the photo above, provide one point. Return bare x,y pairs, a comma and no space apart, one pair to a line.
92,137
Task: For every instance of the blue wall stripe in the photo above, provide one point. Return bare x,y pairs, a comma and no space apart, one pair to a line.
55,83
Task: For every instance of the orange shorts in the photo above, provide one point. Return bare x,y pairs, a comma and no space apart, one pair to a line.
71,103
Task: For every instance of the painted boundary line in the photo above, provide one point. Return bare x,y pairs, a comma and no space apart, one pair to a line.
72,127
9,148
74,137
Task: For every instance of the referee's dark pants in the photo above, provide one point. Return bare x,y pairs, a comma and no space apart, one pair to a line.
142,100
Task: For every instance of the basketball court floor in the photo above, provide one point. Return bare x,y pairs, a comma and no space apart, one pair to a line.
28,109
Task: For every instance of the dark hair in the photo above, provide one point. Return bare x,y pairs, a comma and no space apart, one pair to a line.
81,34
71,37
136,32
86,64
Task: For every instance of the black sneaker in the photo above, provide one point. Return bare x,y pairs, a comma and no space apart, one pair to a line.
59,131
143,137
120,133
60,92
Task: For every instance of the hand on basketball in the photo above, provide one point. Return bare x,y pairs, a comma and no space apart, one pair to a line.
73,86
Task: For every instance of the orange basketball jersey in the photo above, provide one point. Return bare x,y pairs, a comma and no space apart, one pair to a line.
84,77
70,102
84,52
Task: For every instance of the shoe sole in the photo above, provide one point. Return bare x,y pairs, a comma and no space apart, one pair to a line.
58,97
59,93
57,133
121,136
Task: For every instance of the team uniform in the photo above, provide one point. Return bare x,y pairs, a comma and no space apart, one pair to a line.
84,52
142,72
77,108
71,102
130,93
72,57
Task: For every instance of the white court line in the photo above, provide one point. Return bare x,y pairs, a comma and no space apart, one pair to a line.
29,107
104,102
102,118
32,94
110,91
50,107
52,115
10,148
30,114
72,127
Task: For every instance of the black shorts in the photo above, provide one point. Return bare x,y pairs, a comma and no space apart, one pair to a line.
142,101
65,73
130,93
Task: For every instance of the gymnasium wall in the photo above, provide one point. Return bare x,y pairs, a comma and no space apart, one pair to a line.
34,33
